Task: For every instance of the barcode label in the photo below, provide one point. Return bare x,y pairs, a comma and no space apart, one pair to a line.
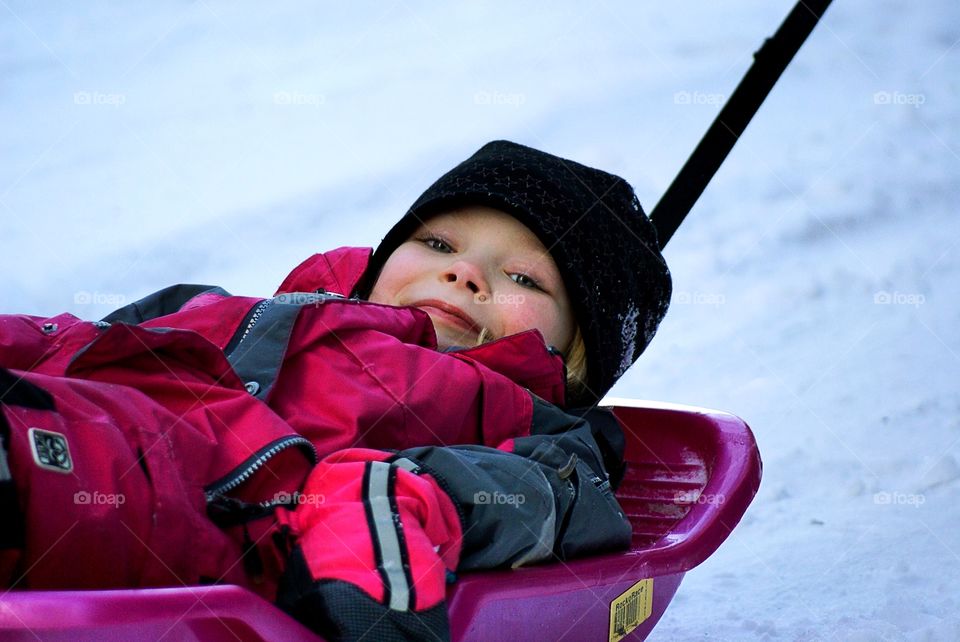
630,609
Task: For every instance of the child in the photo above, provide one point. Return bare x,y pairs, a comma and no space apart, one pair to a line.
427,378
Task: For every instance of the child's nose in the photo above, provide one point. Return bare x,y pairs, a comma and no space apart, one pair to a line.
467,274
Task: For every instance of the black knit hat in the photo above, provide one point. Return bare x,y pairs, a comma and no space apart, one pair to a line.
592,224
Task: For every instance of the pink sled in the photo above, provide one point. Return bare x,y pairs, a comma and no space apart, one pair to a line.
691,474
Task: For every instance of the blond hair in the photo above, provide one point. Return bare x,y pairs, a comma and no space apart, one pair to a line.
575,359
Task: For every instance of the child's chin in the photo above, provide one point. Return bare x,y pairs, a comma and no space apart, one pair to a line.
447,339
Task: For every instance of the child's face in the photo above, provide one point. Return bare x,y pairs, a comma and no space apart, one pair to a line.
474,268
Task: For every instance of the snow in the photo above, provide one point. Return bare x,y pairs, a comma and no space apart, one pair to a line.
208,142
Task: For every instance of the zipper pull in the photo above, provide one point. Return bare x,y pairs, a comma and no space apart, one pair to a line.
252,562
283,541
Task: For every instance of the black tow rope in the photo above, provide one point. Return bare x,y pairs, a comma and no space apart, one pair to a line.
768,63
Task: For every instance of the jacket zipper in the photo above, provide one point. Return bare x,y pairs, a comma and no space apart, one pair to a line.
245,471
257,312
259,309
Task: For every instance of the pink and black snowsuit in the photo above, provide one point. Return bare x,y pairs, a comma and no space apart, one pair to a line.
313,447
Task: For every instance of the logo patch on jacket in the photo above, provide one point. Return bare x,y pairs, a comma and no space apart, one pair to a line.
50,450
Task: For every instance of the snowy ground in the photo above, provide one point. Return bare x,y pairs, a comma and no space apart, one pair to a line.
207,142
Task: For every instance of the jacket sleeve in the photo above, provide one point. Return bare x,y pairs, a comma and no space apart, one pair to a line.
375,534
536,498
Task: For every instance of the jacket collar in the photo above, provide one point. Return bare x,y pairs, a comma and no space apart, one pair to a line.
336,271
522,357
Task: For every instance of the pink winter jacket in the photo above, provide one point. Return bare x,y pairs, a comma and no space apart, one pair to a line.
122,437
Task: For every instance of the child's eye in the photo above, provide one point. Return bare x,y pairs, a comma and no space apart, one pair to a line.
525,281
437,243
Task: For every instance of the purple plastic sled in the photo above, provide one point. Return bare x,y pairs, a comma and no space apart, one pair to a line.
691,475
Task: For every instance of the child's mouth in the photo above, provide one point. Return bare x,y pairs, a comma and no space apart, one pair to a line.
449,314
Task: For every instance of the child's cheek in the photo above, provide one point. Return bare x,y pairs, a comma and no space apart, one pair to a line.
528,314
399,271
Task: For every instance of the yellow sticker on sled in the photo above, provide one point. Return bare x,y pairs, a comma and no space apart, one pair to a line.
630,609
